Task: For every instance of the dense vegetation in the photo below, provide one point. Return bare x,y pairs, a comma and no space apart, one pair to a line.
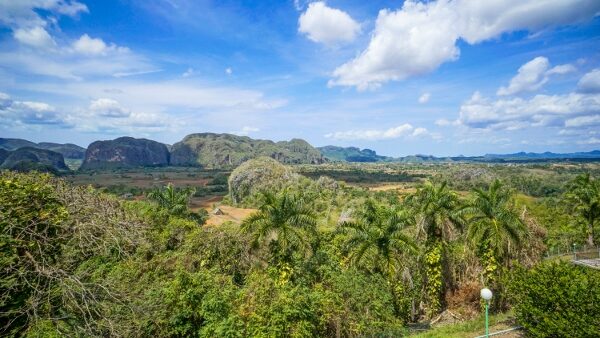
318,257
29,158
350,154
211,150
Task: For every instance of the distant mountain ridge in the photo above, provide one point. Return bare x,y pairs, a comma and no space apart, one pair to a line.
351,154
547,155
212,150
68,150
30,158
354,154
218,151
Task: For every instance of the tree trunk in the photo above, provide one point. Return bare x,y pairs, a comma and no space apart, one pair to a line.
590,240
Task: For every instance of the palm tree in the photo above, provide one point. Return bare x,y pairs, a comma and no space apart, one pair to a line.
284,222
376,234
494,226
583,196
437,210
174,201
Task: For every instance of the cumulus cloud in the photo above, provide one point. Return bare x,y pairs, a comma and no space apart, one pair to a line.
424,98
419,37
94,46
35,37
404,130
590,82
533,75
108,108
517,113
27,112
327,25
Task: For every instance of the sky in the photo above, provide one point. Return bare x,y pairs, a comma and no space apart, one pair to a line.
445,77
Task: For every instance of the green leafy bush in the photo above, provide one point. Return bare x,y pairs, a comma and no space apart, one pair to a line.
558,300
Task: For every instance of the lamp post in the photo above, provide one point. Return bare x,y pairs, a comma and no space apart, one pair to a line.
486,294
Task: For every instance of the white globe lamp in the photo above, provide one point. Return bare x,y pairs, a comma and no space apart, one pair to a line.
486,294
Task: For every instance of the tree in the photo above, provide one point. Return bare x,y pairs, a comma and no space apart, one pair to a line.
494,226
437,210
175,202
284,222
583,196
376,234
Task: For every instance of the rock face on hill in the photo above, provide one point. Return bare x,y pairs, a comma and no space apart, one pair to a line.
68,150
29,158
125,152
225,150
350,154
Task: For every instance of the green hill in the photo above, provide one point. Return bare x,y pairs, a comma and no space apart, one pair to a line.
29,158
225,150
125,152
351,154
68,150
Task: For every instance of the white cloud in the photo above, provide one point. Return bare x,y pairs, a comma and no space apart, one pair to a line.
245,131
327,25
28,112
94,46
108,108
189,72
590,82
35,37
583,121
404,130
228,71
517,113
590,141
24,13
424,98
562,69
419,37
533,75
70,66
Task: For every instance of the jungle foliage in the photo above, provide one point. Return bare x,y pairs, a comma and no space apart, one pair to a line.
318,257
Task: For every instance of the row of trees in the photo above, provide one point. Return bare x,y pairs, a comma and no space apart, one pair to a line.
383,238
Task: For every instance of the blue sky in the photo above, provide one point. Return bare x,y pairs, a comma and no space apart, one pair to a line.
437,77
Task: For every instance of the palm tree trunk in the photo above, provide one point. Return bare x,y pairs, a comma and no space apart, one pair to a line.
590,239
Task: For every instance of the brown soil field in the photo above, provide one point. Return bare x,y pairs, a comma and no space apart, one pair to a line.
235,215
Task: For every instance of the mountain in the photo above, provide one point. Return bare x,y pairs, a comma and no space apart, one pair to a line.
125,152
351,154
225,150
545,155
68,150
15,143
29,158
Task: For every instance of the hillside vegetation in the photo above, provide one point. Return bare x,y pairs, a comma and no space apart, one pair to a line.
68,150
350,154
225,150
315,257
125,152
28,158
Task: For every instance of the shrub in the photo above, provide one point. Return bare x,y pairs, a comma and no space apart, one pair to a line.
558,300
